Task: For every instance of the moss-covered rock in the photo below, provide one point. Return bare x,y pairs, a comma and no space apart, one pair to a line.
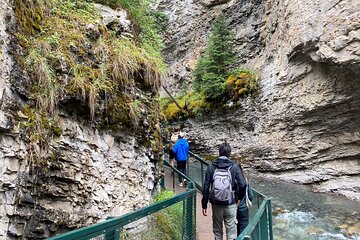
80,64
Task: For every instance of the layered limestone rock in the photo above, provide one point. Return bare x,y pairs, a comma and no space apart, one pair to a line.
92,175
87,175
5,65
211,3
304,125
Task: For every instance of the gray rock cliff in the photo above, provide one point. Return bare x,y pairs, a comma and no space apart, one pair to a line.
88,173
304,125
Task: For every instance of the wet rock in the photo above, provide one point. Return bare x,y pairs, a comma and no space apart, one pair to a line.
279,211
75,181
5,123
314,230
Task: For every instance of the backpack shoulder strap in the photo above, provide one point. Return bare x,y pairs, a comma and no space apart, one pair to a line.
212,169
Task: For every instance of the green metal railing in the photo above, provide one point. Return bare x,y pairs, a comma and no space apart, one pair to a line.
260,225
115,227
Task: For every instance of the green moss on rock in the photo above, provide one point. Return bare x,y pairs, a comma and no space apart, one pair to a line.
66,63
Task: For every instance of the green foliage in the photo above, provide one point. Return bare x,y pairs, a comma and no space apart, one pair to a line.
168,222
242,82
38,129
45,87
164,195
162,20
211,71
105,73
30,14
146,23
54,33
193,103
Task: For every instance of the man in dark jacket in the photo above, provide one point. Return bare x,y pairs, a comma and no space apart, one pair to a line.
181,151
223,211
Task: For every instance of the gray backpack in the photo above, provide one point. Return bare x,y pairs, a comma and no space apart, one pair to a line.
222,186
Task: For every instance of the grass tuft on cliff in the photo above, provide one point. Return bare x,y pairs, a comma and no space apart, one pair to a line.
104,74
65,60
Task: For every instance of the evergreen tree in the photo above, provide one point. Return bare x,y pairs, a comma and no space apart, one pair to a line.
212,69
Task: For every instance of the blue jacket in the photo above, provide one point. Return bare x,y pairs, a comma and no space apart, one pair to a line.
181,149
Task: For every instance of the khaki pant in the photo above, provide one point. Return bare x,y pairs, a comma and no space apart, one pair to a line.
226,214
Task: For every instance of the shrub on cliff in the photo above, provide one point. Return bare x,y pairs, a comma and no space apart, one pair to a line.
213,66
192,103
240,83
214,81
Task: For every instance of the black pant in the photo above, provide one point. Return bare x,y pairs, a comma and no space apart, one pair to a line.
243,220
172,154
181,166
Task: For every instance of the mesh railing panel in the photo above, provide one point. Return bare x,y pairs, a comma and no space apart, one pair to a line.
260,225
197,171
174,218
166,224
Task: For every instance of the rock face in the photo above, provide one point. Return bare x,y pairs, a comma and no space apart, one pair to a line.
210,3
304,125
90,174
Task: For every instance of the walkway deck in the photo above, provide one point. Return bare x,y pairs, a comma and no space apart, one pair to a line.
203,224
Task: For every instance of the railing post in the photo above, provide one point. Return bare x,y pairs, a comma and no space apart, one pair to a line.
173,180
264,227
114,234
189,231
117,234
162,181
187,166
270,219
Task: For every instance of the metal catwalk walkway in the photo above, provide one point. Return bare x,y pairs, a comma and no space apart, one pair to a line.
184,210
203,224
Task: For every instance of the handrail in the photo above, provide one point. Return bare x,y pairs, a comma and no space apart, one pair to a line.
191,183
265,233
198,158
202,164
260,226
113,225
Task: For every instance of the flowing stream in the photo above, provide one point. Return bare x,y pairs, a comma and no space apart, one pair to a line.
299,214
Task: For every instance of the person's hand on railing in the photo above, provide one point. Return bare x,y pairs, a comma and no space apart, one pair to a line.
204,212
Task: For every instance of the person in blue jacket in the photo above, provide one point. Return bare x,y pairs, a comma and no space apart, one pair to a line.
181,151
242,213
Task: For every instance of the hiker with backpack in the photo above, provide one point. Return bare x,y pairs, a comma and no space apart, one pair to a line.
242,214
224,185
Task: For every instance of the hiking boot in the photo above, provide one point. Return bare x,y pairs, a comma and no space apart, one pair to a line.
180,184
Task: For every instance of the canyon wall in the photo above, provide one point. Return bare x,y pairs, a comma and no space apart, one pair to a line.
304,124
86,175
